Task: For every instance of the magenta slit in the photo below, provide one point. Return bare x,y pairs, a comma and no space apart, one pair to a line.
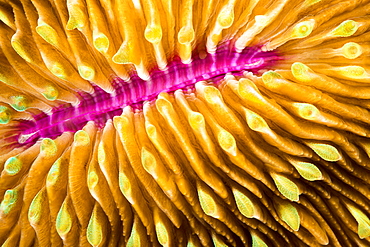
101,106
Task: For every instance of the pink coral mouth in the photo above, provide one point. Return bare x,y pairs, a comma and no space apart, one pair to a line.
101,106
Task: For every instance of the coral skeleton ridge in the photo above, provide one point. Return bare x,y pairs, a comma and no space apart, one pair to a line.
185,123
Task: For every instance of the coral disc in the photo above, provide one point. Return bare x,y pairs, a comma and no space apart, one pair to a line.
184,123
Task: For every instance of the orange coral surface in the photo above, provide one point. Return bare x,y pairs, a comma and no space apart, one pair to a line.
274,158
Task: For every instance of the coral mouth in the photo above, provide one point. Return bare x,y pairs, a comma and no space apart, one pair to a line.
101,106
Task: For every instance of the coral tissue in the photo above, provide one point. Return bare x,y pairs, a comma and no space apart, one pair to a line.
185,123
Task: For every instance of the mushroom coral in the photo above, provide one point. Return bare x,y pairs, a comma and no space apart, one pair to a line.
185,123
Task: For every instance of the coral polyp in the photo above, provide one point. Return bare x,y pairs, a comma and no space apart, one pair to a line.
184,123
